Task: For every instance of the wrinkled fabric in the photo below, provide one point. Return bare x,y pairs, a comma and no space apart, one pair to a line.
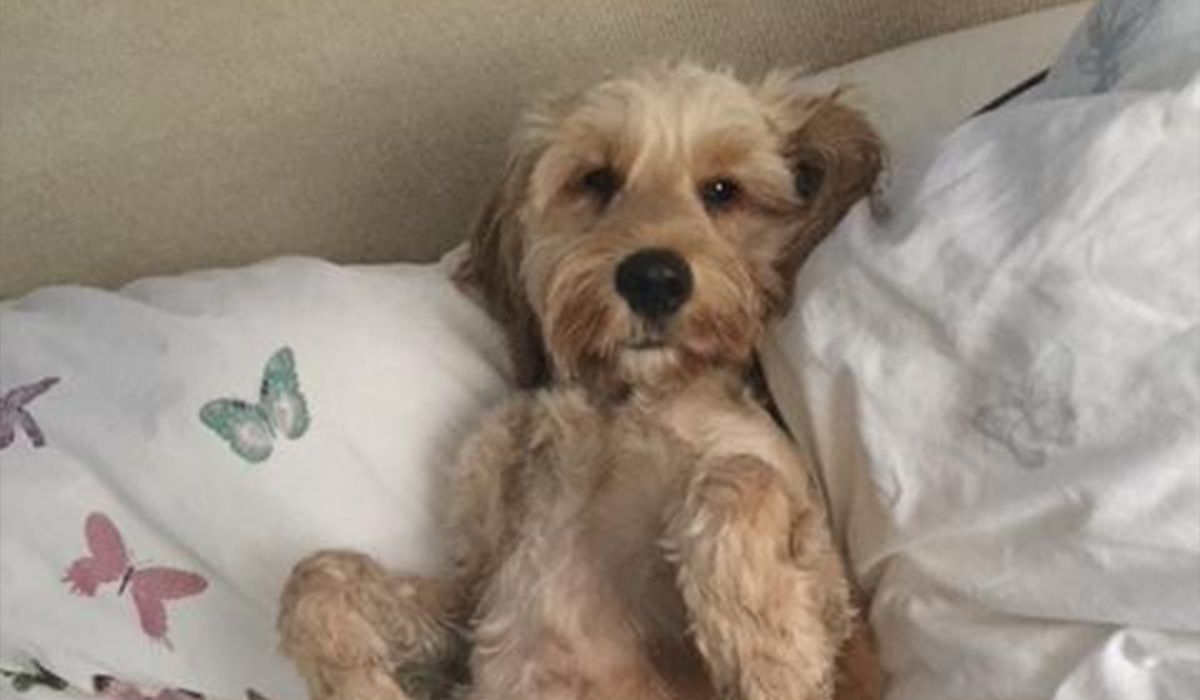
1001,385
394,365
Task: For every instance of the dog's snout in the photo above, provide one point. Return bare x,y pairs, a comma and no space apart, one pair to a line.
654,282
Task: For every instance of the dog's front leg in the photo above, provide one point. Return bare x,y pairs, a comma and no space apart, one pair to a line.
767,604
359,632
483,507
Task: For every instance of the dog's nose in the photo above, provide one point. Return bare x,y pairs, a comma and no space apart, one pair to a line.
654,282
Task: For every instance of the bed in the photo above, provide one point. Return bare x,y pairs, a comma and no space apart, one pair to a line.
994,362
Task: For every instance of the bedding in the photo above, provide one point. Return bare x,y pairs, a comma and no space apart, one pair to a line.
169,451
1000,382
1127,45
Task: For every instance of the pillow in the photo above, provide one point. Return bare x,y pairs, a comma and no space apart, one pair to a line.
1128,45
999,384
209,430
918,93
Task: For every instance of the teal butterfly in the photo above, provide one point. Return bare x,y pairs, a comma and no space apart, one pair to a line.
251,428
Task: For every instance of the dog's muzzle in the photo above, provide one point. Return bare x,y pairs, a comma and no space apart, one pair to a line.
655,282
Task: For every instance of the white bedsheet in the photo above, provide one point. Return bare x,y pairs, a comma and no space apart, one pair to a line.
1001,384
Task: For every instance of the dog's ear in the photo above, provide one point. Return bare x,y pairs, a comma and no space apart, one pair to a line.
834,154
492,272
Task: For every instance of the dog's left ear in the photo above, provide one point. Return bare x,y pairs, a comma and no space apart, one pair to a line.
834,154
492,271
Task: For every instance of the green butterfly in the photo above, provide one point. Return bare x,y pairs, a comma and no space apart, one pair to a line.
251,428
23,681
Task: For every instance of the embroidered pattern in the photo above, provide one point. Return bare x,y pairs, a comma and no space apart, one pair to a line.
251,428
1037,415
15,414
23,681
104,686
109,687
150,587
1109,32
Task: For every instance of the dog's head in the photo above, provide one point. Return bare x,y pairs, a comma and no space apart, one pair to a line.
649,227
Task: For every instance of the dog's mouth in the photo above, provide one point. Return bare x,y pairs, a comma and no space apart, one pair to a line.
644,344
647,360
648,336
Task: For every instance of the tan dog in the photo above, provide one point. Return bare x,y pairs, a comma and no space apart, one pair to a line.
635,526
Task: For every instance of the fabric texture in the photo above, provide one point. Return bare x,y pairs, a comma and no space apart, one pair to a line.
1146,45
153,138
168,452
1000,385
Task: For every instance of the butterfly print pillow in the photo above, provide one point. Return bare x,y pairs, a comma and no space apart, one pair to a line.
173,580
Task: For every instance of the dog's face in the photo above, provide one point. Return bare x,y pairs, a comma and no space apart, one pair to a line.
648,228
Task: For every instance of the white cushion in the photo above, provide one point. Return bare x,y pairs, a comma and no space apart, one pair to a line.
1000,386
393,365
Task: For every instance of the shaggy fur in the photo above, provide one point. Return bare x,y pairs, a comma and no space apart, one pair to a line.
634,526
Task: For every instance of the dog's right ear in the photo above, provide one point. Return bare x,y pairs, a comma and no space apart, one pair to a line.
492,272
834,153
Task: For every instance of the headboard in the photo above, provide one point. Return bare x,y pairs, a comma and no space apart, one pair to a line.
150,137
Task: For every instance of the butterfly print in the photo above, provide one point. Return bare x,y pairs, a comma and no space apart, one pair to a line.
113,689
23,681
1036,416
150,587
251,428
14,414
1110,30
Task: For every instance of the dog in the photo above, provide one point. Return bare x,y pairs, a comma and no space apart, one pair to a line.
633,525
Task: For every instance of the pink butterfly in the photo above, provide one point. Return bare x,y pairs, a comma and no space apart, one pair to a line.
14,414
150,587
113,689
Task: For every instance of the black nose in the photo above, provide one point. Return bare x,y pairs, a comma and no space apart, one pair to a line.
654,282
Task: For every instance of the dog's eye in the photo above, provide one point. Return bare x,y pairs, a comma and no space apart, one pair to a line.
809,178
602,183
720,193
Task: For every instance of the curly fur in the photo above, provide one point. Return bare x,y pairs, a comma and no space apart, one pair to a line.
633,526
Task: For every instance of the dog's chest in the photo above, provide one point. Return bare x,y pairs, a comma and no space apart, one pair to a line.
588,590
615,478
618,472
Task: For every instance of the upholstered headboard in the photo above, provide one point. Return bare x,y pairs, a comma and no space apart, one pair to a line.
148,137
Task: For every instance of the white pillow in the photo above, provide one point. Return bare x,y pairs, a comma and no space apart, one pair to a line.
393,365
1000,386
1127,45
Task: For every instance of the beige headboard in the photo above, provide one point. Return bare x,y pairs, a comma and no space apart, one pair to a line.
150,136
